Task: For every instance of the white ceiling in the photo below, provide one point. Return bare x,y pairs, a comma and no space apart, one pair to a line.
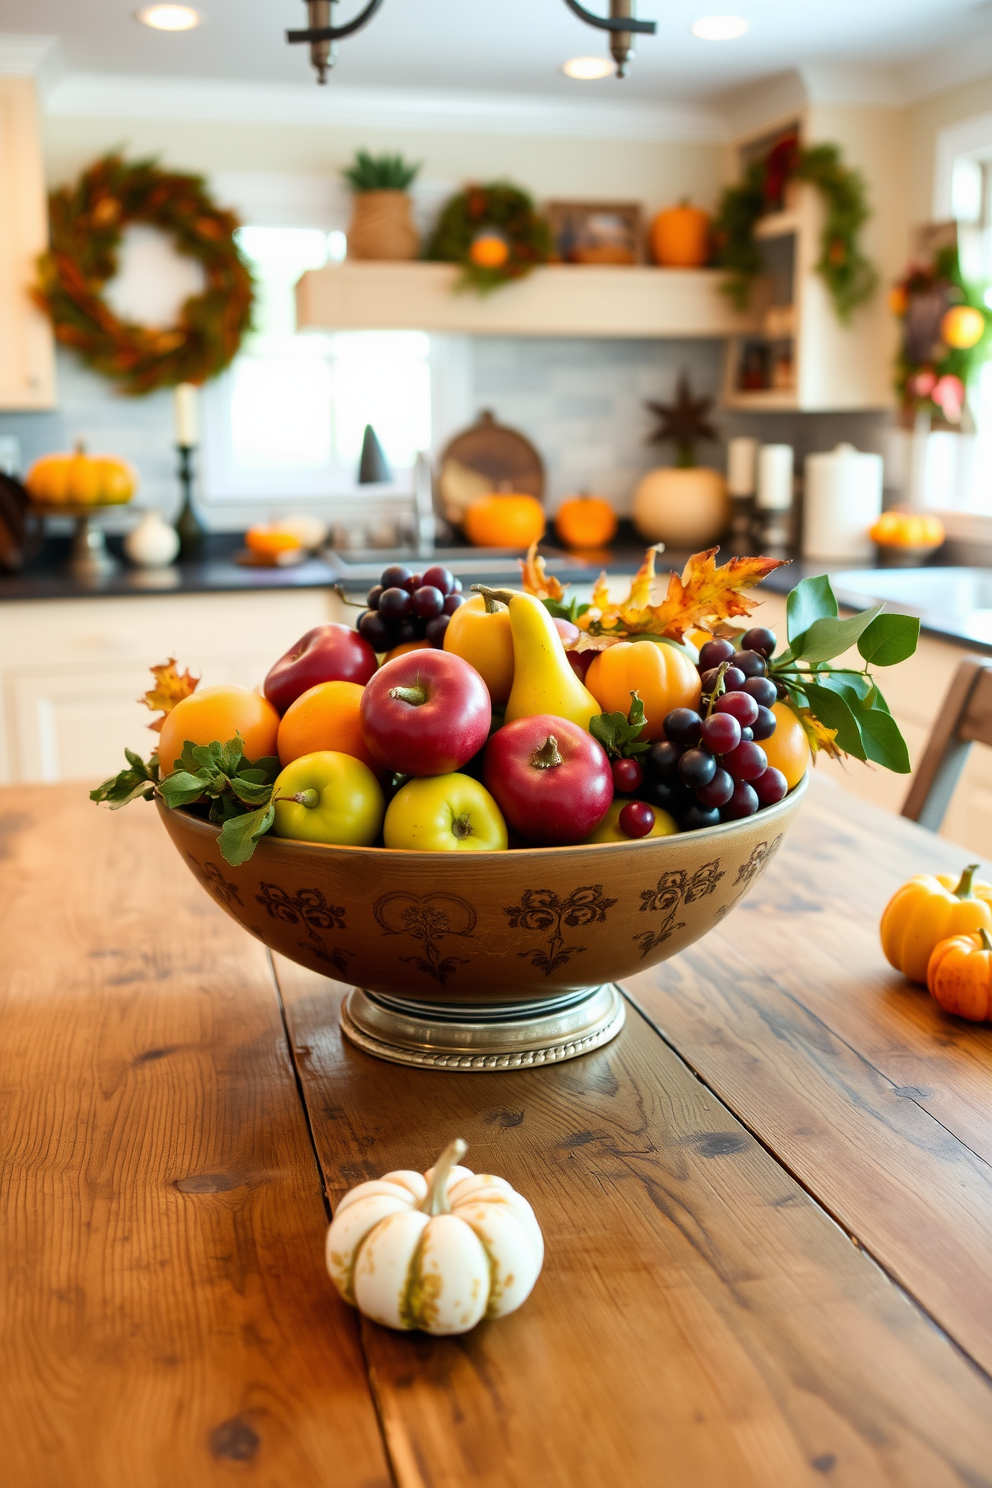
508,46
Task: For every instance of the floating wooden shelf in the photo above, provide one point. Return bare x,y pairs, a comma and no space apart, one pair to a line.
558,300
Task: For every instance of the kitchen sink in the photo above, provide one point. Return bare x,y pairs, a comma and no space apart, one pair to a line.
364,566
958,600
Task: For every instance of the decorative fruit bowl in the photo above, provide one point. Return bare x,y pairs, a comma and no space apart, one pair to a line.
485,961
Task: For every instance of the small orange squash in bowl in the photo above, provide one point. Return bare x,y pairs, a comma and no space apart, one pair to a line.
79,479
510,520
585,522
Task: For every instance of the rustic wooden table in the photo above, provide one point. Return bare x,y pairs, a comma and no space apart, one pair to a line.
768,1204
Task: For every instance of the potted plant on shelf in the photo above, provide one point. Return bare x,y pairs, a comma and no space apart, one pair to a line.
381,225
684,505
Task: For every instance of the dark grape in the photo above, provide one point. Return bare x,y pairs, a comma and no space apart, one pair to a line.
713,652
580,662
372,598
427,602
669,795
441,578
372,628
747,734
760,638
452,602
770,786
413,583
751,663
719,790
683,726
696,767
627,776
406,630
721,732
457,586
663,760
739,705
395,576
733,679
394,603
435,629
744,802
746,762
697,816
636,819
764,725
762,689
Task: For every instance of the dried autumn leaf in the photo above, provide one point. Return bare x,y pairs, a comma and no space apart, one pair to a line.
170,687
704,594
820,737
643,581
535,580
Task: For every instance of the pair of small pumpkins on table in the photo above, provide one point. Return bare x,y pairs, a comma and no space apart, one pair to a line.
938,930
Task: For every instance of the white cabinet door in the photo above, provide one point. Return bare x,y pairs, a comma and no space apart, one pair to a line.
75,725
27,355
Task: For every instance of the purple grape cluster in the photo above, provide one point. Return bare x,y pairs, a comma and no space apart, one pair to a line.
406,606
711,767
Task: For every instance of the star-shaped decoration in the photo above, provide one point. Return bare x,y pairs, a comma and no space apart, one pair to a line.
684,422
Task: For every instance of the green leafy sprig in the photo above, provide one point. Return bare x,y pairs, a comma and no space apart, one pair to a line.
239,790
570,611
618,735
369,172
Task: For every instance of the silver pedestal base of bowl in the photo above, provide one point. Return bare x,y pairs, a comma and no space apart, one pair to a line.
482,1037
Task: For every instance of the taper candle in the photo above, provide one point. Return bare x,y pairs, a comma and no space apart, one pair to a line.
184,408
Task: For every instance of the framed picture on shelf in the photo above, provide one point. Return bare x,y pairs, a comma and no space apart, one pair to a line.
596,232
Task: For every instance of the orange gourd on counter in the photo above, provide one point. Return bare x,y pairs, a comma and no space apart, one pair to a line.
663,677
513,520
80,479
959,976
680,237
929,909
895,529
585,522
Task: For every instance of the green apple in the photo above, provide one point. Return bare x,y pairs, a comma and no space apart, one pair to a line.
328,797
444,813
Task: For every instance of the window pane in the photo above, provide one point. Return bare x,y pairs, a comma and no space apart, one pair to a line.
381,378
281,411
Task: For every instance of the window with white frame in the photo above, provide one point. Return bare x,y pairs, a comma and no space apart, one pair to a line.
287,419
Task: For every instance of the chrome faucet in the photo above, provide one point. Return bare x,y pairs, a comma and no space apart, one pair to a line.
423,505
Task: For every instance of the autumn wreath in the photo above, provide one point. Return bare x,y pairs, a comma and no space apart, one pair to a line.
86,224
494,232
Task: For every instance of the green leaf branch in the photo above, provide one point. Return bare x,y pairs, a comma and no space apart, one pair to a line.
620,736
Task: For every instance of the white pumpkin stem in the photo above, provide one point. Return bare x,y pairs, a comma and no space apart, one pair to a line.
436,1201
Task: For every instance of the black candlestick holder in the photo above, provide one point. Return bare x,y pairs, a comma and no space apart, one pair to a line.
188,525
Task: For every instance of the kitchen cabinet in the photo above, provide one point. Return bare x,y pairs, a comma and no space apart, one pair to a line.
27,362
914,692
72,671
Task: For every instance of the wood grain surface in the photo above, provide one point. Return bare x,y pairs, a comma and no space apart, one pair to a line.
165,1317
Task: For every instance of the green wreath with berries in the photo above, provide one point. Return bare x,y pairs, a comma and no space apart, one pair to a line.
850,277
87,221
494,232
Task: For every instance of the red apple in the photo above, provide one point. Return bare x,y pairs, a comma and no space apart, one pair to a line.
551,779
425,713
328,653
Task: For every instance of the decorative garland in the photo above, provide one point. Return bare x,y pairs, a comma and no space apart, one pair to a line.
947,335
86,223
494,233
850,277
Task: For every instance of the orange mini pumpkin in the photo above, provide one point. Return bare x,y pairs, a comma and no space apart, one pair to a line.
680,237
585,522
959,976
80,479
512,520
897,529
662,675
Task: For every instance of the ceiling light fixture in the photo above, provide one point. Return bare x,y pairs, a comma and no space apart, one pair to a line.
323,36
168,17
587,68
719,27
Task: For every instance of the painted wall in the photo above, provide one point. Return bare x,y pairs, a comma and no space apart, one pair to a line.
924,121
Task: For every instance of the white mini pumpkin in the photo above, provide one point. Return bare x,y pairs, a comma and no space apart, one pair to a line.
438,1250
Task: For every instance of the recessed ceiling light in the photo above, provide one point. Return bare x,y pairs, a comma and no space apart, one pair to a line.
719,27
587,68
168,17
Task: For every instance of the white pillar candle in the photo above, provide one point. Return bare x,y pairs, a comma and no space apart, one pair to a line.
742,455
184,408
775,477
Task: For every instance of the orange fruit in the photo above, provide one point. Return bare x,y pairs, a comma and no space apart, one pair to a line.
788,748
404,648
325,717
217,714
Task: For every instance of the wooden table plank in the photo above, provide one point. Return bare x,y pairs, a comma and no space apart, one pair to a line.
165,1317
878,1103
700,1319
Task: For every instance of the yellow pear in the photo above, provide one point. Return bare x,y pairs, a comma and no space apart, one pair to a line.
543,680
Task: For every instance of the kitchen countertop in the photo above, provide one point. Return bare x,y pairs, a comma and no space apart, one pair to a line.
767,1204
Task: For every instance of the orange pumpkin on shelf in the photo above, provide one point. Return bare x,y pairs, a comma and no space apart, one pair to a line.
680,237
80,479
510,520
585,522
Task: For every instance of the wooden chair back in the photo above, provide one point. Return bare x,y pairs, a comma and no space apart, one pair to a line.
965,718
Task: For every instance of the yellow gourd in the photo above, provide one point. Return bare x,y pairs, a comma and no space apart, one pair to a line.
929,909
543,680
80,479
479,632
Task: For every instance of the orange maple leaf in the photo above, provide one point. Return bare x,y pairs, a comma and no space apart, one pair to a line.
170,687
535,580
705,594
